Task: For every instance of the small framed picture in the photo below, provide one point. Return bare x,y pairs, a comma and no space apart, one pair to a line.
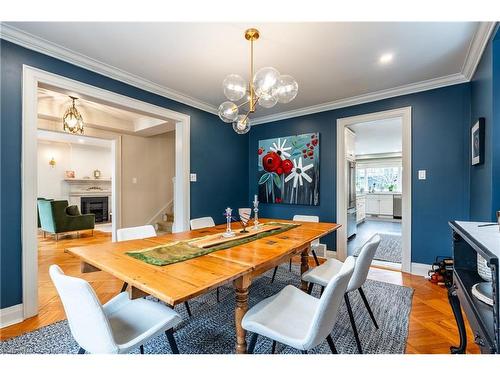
477,142
70,174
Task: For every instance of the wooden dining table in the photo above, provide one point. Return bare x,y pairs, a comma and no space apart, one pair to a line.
178,282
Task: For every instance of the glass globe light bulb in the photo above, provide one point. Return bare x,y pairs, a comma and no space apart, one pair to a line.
235,87
286,89
267,101
71,121
265,80
242,125
228,111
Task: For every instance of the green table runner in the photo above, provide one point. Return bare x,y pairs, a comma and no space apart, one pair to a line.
179,251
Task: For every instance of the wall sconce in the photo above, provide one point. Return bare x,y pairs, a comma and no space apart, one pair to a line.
52,162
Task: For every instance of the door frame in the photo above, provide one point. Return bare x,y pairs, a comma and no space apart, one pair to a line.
405,114
32,78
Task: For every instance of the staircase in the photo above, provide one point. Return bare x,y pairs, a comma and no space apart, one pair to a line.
165,224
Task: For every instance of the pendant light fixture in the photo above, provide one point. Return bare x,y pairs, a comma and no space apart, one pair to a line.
72,119
266,88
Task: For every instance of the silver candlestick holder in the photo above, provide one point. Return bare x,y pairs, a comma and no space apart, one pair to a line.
256,224
229,216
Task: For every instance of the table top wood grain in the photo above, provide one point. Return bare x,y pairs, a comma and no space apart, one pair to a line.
179,282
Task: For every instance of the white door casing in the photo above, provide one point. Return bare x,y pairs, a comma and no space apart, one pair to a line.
32,78
405,114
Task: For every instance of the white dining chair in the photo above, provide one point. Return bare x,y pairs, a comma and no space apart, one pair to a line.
314,245
323,274
200,223
297,319
119,326
135,233
138,233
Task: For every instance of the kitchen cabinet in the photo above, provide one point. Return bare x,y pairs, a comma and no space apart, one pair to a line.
350,147
360,209
379,204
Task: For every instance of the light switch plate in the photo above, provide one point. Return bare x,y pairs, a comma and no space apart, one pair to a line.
134,180
422,175
192,177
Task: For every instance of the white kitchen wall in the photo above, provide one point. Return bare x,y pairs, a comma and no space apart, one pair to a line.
80,158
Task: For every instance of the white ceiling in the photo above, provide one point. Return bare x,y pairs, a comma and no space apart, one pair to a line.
53,104
332,61
377,137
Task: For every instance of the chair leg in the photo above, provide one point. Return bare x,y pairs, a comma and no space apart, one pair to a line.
44,234
186,304
274,274
363,297
124,287
353,323
218,295
171,341
290,265
331,344
273,349
251,344
81,351
315,257
310,289
142,349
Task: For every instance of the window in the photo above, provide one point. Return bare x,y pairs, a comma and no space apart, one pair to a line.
379,176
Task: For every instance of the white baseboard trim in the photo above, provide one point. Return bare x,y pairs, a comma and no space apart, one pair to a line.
420,269
11,315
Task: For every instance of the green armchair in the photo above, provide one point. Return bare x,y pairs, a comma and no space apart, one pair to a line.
55,219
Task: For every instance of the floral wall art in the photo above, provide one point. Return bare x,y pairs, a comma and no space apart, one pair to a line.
288,170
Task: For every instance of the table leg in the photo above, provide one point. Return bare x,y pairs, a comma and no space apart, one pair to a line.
241,285
457,312
304,266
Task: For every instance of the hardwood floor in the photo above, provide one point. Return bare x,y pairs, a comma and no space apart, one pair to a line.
432,326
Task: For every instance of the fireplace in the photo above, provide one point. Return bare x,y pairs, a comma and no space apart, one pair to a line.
97,206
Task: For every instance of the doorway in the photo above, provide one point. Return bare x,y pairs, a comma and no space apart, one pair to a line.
33,79
374,185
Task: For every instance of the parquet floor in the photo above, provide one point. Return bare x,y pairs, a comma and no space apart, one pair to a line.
432,326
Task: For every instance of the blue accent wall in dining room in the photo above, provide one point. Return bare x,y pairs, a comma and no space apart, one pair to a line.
218,155
440,120
485,102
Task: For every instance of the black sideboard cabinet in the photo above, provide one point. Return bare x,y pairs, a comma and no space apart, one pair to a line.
469,240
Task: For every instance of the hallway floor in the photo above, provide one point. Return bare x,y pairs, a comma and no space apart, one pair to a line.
368,228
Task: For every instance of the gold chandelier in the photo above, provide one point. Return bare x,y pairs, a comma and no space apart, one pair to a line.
72,119
266,88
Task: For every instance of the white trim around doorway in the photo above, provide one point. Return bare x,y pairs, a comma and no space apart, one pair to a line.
32,78
405,114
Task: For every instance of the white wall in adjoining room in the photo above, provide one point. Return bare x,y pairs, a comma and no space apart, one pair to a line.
83,159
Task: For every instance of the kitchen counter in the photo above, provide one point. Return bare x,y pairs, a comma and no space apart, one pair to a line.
384,193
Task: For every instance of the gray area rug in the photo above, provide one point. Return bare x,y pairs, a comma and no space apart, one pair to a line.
389,250
211,328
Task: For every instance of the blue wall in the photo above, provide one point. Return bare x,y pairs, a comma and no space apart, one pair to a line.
440,121
485,91
218,155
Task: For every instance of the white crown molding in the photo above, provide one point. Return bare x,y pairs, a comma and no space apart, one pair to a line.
46,47
476,48
33,42
435,83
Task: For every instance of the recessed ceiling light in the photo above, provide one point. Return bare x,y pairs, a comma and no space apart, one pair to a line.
81,141
386,58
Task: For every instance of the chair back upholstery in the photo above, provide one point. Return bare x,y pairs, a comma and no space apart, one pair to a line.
202,222
135,233
309,219
326,314
363,263
87,321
